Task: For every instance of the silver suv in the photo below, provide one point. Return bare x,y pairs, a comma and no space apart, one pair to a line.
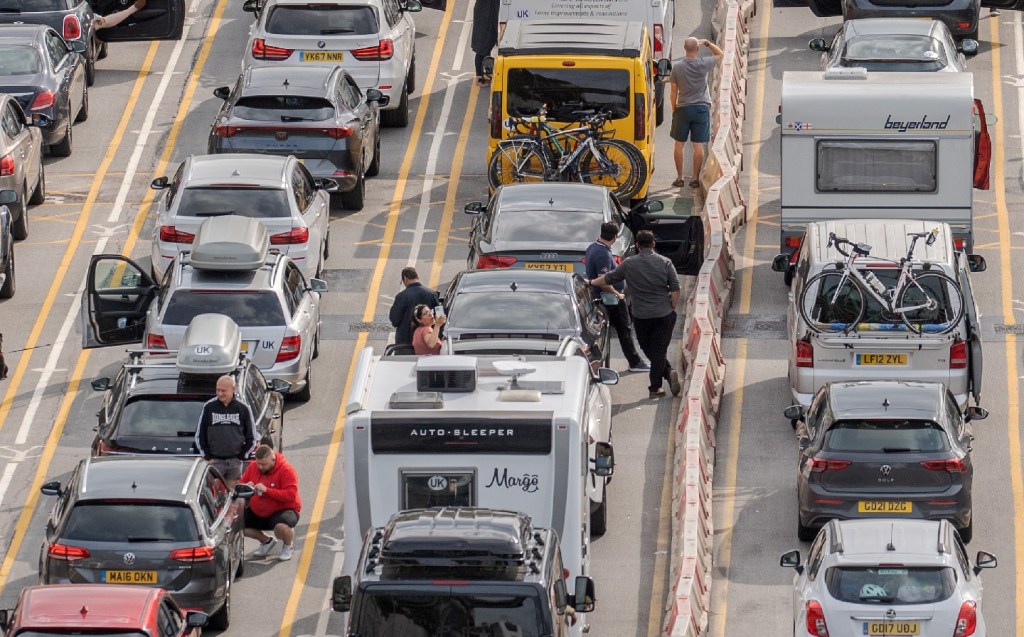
887,577
230,270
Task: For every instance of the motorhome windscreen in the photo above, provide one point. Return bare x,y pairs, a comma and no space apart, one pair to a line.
877,166
447,611
461,435
566,91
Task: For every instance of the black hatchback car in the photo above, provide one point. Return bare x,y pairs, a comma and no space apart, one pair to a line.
318,114
872,449
165,522
526,304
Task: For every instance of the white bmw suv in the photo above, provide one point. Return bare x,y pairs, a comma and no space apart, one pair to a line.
374,40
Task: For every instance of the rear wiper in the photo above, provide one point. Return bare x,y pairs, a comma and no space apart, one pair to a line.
142,538
214,213
335,31
186,434
877,598
898,449
295,118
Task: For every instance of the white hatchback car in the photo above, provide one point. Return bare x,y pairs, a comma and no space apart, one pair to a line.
374,40
278,191
887,577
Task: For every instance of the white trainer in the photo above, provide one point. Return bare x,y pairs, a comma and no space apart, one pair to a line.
286,553
264,549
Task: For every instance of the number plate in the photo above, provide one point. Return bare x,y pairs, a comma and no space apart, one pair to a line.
900,629
882,359
321,56
248,346
884,506
130,577
560,267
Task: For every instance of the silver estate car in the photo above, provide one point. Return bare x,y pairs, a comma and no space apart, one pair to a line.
230,270
887,577
21,161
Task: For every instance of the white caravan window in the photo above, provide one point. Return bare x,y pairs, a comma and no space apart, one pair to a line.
877,166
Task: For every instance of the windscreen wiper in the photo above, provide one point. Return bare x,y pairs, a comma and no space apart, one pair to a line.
335,31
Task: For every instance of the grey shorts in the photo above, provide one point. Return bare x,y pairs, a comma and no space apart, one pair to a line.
229,468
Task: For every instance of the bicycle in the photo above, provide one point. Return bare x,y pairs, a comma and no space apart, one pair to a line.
546,153
926,301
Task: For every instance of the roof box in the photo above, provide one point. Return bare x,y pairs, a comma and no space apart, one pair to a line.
446,374
230,242
211,345
454,536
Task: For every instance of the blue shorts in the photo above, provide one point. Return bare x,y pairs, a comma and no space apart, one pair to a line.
691,122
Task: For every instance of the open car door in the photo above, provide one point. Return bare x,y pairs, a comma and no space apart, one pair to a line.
974,361
982,147
1012,5
158,20
440,5
680,237
117,296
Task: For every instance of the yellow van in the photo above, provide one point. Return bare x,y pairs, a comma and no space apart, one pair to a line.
568,67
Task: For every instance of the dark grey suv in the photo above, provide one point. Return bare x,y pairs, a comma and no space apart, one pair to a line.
156,521
873,449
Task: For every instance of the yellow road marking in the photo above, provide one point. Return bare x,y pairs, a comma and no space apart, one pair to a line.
1006,289
323,488
21,527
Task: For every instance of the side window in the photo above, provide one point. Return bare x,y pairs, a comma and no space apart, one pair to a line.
295,285
357,93
53,49
815,556
218,491
299,191
14,122
307,179
116,391
206,500
392,12
175,184
256,394
345,92
961,556
954,416
169,620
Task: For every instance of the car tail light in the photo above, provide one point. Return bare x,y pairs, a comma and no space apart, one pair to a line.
639,117
816,620
262,51
496,115
155,341
794,241
819,465
967,620
485,262
958,243
617,259
953,465
958,355
384,50
223,130
72,27
804,354
6,165
963,26
292,237
290,347
659,39
44,99
197,554
340,132
69,553
170,234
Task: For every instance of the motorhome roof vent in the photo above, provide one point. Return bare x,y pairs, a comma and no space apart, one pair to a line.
416,400
211,345
847,73
518,390
230,242
446,374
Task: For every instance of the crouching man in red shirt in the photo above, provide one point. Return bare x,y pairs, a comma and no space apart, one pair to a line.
276,505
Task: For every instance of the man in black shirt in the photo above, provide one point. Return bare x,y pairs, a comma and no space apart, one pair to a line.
415,293
226,434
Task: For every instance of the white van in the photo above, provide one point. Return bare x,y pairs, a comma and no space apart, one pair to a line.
881,348
522,433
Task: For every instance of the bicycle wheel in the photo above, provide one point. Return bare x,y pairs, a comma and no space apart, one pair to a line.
940,303
517,161
608,164
827,307
638,163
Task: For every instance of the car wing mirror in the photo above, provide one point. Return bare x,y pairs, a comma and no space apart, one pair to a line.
794,412
818,44
375,95
244,491
159,183
196,619
51,488
780,262
341,593
975,413
8,197
583,600
984,560
412,6
251,6
803,442
968,47
38,120
976,263
77,46
662,68
488,65
607,376
279,385
648,206
474,208
100,384
791,559
604,459
326,183
317,285
222,92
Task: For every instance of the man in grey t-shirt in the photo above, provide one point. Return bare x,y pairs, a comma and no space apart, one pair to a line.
691,105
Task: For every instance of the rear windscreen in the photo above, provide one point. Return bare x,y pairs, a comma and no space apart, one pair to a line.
259,203
19,60
946,308
283,108
890,585
390,613
162,417
567,91
894,52
547,226
247,309
123,521
885,436
511,311
321,19
880,166
29,6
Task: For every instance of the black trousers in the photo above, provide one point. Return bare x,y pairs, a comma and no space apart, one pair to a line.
478,62
618,316
654,336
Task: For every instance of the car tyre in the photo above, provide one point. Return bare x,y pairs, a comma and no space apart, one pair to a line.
410,79
102,53
305,393
374,168
39,194
7,291
83,112
316,346
787,277
90,70
327,245
240,565
355,198
63,148
967,533
804,533
599,516
19,223
398,117
221,620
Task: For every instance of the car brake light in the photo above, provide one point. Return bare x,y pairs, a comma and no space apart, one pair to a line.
155,341
262,51
103,448
819,465
72,27
44,99
495,116
223,130
485,262
958,244
963,26
197,554
384,50
659,39
804,354
6,166
617,259
816,620
292,237
953,465
794,242
170,234
958,355
290,347
69,553
639,117
967,620
340,132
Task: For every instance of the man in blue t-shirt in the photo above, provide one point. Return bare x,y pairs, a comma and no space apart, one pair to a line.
601,261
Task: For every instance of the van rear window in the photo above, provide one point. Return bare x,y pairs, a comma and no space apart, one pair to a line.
321,19
567,91
875,314
878,166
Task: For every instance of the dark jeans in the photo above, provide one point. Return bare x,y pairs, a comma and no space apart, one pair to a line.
618,316
654,336
478,62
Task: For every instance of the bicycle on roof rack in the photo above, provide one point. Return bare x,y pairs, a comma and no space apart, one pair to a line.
543,152
926,301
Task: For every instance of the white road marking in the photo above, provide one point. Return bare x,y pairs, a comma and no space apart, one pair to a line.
5,479
338,548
